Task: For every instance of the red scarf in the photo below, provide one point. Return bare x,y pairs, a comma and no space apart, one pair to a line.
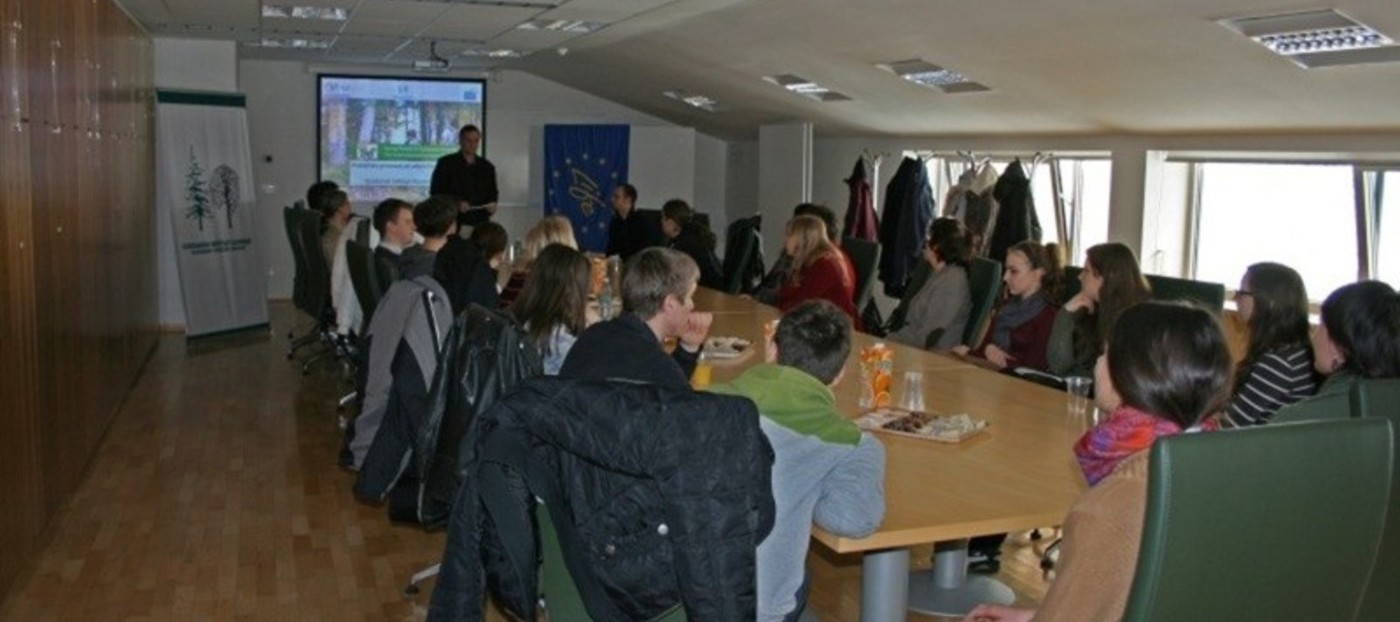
1124,433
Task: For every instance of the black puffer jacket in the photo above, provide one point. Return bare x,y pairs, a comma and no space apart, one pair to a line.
659,495
1016,217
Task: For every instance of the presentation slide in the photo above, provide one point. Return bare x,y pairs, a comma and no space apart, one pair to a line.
380,137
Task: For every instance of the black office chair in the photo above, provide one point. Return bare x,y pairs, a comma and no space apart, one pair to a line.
317,293
741,250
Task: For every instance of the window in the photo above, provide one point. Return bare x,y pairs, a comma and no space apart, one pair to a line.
1300,215
1388,229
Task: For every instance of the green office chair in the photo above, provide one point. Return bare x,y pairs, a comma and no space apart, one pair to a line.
921,273
561,596
984,279
1278,523
1209,295
1380,398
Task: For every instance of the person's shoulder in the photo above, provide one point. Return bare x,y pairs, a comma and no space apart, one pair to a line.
446,158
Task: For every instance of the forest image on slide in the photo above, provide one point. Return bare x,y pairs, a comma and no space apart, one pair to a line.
412,134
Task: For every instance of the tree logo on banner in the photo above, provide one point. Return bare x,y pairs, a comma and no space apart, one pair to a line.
223,191
585,191
199,207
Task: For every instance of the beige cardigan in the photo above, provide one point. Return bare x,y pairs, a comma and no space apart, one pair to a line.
1098,555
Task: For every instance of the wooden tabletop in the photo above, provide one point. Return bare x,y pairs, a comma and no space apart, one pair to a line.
1019,474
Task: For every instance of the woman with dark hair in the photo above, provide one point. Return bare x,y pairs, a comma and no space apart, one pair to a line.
1110,282
1358,338
553,304
1166,370
1020,330
688,236
1277,368
819,269
945,301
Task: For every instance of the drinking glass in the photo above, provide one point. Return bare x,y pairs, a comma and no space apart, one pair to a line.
914,391
1078,388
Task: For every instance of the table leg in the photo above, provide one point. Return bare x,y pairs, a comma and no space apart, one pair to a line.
946,590
884,586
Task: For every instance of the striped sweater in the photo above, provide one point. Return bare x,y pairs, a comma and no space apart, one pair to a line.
1278,379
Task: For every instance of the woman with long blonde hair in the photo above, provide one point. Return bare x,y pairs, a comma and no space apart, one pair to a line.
549,230
819,268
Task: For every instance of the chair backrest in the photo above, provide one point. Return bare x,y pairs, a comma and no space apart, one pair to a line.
984,281
1219,504
1209,295
865,258
916,282
385,274
318,270
360,262
740,248
291,220
1381,398
1071,285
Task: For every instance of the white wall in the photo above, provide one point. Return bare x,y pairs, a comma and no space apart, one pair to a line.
188,65
784,176
664,158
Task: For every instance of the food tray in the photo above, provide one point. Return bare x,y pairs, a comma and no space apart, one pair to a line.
727,348
941,428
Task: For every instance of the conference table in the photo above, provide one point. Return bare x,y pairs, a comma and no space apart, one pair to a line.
1018,474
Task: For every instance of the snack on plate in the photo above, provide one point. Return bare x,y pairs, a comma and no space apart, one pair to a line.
945,428
726,347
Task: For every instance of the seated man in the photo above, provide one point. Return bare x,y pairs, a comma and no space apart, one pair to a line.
825,470
469,269
657,289
436,221
393,219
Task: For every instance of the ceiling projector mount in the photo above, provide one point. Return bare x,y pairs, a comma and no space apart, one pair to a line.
434,62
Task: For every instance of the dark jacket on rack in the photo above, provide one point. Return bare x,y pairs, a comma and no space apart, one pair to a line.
659,495
415,460
909,207
1016,218
861,220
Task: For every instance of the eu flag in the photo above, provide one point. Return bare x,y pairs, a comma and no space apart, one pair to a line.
583,163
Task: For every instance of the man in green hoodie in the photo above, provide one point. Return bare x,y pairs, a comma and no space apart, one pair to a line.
825,470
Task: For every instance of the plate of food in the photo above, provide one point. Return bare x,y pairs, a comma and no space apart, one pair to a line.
942,428
727,347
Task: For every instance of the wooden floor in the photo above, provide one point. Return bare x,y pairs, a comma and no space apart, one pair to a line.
215,496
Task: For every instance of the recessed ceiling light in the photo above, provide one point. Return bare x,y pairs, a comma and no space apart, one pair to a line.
703,102
333,13
562,25
1315,38
494,53
926,74
806,88
305,44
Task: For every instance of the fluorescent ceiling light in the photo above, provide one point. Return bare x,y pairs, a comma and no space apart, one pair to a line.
305,44
1312,38
806,88
562,25
926,74
703,102
333,13
494,53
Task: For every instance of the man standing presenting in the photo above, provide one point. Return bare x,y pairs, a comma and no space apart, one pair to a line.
468,178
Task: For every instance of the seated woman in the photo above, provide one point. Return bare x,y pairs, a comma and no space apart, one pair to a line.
819,269
1020,329
686,235
553,305
1166,369
1110,282
549,230
1358,338
945,301
1277,368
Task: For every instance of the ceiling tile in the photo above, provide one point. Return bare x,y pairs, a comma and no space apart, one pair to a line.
395,11
147,11
602,10
532,39
377,27
316,26
467,21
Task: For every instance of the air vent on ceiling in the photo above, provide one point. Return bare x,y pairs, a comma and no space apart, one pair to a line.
298,44
494,53
1323,38
806,88
694,100
332,13
926,74
562,25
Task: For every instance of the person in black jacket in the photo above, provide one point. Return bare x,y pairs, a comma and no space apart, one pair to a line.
468,178
469,269
688,236
630,231
657,289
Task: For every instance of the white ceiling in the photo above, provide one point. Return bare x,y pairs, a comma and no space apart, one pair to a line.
1054,66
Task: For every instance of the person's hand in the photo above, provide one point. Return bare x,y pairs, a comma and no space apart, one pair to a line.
697,327
997,356
961,350
1079,301
998,613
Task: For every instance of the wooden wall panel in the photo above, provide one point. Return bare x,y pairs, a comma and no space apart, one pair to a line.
78,315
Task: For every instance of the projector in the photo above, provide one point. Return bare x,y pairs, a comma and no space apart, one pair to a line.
432,65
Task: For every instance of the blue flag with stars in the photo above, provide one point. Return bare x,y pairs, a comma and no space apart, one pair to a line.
583,163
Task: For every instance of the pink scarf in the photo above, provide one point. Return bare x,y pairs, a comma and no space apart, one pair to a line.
1124,433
